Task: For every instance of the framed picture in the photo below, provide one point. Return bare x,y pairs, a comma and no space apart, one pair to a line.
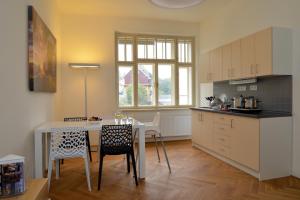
41,54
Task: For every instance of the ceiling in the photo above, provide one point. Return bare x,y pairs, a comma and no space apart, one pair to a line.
141,9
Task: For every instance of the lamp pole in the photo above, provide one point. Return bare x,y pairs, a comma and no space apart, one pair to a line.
86,66
85,92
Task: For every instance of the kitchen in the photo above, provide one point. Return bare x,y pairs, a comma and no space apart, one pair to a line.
247,122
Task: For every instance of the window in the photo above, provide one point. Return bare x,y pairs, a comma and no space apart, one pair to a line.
154,71
125,86
166,85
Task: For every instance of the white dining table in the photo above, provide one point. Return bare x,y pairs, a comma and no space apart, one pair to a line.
42,131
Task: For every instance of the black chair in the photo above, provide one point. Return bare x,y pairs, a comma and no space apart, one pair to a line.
77,119
117,140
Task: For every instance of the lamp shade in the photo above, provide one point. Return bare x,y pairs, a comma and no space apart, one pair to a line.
84,65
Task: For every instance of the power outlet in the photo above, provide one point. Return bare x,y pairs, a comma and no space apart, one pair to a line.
241,88
253,87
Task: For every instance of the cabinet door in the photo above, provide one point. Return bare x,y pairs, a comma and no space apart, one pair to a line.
226,62
206,134
196,127
248,56
263,52
216,64
245,141
205,75
235,71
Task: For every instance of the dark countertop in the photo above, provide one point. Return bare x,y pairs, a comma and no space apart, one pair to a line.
262,114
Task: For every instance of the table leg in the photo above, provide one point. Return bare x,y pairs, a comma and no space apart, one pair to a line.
57,168
38,155
142,164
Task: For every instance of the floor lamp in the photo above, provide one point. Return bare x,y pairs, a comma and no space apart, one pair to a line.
85,67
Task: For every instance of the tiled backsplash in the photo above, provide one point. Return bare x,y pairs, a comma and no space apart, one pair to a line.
275,93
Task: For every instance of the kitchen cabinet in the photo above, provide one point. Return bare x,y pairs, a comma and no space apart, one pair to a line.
205,70
236,67
237,138
226,62
216,64
267,52
202,129
211,66
258,146
263,53
231,61
245,141
256,54
248,56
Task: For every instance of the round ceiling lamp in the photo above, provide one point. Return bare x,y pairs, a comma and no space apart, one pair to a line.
176,3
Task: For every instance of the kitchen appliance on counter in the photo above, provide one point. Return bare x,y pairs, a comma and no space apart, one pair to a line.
245,104
250,102
215,103
238,102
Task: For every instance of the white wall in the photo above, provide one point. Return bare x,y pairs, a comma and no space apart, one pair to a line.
21,110
91,39
242,17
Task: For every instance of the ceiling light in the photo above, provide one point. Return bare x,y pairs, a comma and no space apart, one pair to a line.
176,3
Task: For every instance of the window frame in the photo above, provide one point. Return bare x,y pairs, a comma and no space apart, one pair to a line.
134,63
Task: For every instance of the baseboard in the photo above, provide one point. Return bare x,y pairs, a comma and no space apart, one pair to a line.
297,175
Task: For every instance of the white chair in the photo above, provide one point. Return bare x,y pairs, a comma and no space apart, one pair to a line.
68,144
153,129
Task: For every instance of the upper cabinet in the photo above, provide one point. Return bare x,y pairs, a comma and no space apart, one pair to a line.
205,70
267,52
263,53
236,70
216,64
256,54
211,66
226,62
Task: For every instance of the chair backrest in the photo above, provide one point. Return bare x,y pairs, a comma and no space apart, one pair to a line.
68,144
156,120
75,119
116,139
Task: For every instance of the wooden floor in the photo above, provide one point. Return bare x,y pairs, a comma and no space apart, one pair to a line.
196,175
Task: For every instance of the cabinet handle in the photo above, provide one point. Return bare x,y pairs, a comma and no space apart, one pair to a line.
200,117
231,123
256,68
222,129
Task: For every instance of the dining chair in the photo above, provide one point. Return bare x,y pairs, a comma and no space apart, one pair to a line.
68,144
77,119
152,129
117,140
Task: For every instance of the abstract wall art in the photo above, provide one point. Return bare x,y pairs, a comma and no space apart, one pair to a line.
41,54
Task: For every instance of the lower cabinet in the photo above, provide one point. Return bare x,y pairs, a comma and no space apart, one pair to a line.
260,147
202,129
245,141
237,138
